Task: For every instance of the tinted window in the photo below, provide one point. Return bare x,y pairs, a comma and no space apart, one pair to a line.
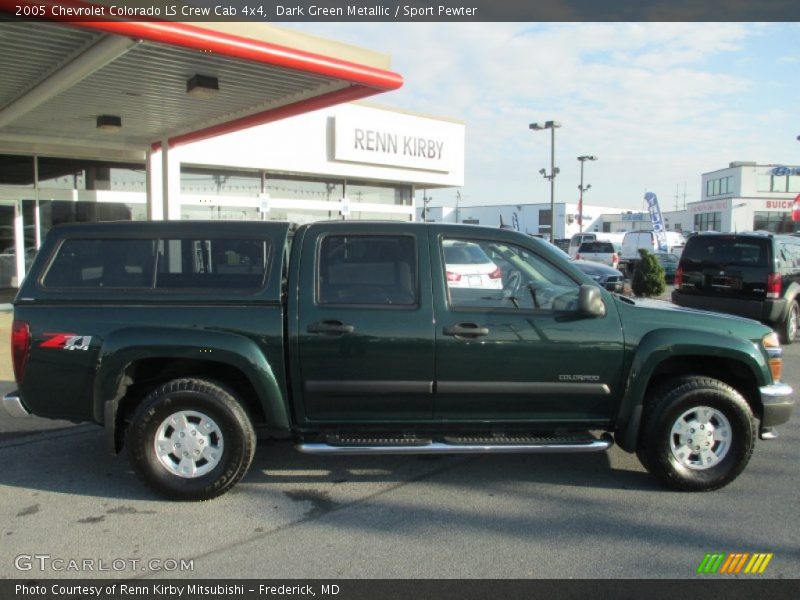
514,278
580,238
463,253
726,251
667,259
597,247
238,264
789,254
379,270
117,263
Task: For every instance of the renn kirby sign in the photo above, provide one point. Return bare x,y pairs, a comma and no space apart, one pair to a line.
385,138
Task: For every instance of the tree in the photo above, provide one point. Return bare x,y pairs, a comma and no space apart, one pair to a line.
648,277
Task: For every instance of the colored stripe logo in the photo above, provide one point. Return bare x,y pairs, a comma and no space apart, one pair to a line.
722,563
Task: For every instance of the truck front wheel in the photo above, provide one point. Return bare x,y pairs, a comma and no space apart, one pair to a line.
190,439
697,434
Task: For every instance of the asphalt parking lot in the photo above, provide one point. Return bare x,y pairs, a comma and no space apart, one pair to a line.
564,516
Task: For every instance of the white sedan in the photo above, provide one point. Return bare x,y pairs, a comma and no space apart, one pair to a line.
468,267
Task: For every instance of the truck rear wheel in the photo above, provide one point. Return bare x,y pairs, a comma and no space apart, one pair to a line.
190,439
697,434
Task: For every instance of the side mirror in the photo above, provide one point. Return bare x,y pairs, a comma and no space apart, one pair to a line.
590,301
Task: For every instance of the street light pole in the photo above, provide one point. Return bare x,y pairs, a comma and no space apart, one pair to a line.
583,159
551,125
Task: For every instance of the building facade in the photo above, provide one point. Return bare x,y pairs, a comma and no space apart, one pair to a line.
533,219
353,161
747,196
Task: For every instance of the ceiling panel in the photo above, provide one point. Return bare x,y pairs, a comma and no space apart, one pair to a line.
146,87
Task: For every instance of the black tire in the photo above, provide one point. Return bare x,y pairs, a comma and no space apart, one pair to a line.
670,403
232,431
787,331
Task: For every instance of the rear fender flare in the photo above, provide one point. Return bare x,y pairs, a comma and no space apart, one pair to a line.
127,346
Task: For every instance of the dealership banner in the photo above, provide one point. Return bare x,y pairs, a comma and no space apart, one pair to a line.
405,10
694,586
657,220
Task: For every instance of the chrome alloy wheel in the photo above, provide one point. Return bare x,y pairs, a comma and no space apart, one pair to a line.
791,330
700,438
189,444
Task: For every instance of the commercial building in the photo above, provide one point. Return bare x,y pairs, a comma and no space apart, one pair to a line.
345,162
533,219
747,196
352,161
132,120
628,220
744,196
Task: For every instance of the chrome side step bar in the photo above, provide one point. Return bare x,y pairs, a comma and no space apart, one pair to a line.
596,445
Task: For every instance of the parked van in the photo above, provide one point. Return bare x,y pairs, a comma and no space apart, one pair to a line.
634,240
592,236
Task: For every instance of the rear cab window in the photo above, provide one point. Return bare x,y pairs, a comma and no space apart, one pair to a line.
597,248
102,263
159,264
580,238
188,263
367,270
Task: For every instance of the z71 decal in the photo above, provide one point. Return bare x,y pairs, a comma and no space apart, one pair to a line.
66,341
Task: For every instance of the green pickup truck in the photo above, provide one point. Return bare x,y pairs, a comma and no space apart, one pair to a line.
186,340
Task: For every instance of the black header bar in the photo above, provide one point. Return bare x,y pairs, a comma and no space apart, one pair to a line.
366,11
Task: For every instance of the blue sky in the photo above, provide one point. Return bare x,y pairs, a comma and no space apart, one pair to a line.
658,103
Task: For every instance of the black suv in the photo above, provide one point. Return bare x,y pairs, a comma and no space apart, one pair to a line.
754,275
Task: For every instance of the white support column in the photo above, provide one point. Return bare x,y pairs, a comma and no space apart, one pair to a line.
155,208
165,179
170,183
38,219
19,244
174,186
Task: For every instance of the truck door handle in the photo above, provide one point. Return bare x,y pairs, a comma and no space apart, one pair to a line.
335,327
466,330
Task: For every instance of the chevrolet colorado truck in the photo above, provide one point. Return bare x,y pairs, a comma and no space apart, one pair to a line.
186,340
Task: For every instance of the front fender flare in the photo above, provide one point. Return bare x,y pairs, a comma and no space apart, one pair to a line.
662,344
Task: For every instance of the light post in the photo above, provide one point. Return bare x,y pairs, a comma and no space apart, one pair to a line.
425,201
581,187
551,125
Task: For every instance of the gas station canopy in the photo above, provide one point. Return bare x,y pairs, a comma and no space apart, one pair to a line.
123,87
